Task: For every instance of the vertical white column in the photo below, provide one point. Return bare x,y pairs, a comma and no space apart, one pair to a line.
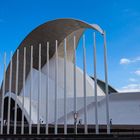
95,88
9,100
39,91
24,75
106,85
56,86
84,83
47,90
65,88
74,78
31,90
16,92
3,92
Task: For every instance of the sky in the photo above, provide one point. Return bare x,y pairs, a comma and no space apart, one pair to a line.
119,18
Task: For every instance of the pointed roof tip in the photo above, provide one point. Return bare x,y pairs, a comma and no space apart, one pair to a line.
98,28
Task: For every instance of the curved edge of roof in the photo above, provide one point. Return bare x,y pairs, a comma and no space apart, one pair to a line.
93,26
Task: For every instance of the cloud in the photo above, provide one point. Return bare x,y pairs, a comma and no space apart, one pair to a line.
137,72
132,80
130,88
124,61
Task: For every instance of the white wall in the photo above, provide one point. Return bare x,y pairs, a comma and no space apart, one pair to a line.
124,108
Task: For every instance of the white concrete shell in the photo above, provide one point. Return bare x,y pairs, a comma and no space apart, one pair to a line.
121,105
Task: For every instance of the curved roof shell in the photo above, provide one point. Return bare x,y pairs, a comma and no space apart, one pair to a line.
50,31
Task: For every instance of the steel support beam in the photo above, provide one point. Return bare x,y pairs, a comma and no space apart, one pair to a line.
24,74
56,84
84,86
9,99
65,86
16,93
39,92
47,89
106,84
31,91
74,81
3,92
95,89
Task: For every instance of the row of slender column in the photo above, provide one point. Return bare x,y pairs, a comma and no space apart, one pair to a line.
56,89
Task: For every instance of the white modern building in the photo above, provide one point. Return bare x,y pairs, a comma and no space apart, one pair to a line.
46,85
